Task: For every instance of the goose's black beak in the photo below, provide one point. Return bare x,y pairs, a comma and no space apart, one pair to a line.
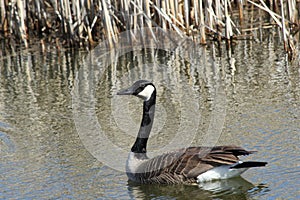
128,91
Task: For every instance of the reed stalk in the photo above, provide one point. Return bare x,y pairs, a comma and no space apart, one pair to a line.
21,20
202,23
284,31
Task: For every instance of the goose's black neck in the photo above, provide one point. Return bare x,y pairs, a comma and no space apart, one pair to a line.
140,144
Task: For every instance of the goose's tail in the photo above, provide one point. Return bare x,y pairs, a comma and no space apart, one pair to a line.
248,164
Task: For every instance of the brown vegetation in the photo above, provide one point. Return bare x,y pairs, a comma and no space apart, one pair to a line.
85,23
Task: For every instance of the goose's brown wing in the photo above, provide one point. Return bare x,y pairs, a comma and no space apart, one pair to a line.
186,164
198,160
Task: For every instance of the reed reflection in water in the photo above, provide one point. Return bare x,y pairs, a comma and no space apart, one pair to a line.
42,155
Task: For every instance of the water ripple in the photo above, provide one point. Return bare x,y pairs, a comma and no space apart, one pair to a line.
9,145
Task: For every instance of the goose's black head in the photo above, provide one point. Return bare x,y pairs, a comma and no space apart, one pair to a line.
141,88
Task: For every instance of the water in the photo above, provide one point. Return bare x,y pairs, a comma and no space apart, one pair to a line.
59,116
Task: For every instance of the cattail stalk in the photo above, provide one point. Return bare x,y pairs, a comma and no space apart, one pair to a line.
202,24
22,17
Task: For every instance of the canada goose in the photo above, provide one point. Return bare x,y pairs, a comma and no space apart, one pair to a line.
187,165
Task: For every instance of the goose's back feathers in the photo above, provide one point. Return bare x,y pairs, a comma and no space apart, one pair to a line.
184,165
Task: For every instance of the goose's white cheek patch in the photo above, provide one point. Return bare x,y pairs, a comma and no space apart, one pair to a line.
146,92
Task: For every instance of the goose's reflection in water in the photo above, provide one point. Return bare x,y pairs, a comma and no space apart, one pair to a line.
235,188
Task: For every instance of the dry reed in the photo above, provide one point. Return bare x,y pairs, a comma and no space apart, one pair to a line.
87,22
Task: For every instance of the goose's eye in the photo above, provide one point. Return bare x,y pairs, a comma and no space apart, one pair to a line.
139,90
